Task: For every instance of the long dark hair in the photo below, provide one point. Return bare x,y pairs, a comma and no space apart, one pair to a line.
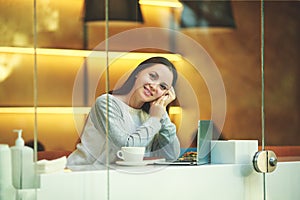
129,83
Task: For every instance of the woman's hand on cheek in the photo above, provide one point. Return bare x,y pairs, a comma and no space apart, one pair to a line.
169,96
158,107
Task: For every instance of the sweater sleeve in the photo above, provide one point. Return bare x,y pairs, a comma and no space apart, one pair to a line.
165,143
120,132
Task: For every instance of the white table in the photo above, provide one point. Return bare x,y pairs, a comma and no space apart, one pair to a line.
223,181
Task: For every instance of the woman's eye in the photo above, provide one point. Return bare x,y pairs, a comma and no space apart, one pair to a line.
152,76
163,87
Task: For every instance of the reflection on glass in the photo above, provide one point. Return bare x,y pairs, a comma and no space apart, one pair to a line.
60,34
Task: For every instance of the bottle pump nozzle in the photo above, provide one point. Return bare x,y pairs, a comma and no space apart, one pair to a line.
19,140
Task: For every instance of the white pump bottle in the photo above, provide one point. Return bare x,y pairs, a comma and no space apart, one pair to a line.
23,173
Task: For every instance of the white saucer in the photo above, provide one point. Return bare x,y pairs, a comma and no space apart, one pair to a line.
124,163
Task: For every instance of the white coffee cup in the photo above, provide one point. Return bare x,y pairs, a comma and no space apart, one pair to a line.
131,154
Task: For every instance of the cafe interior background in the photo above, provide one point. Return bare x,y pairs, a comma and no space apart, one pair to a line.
63,41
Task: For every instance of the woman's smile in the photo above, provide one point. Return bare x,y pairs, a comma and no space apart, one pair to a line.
147,91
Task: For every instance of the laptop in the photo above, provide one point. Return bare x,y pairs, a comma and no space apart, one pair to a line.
200,154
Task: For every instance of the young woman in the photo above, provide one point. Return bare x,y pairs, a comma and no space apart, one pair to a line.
134,115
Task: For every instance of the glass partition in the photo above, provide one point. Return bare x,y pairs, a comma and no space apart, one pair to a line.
281,91
53,66
281,87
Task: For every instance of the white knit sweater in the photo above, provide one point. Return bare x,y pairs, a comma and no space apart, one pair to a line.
126,127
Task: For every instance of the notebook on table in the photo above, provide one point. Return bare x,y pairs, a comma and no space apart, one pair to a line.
200,154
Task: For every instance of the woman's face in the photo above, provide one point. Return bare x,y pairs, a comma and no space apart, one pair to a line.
152,82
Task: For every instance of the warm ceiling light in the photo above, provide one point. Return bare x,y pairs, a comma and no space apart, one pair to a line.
45,51
165,3
45,110
88,53
175,110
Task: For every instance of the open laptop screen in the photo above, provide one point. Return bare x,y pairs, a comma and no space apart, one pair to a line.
199,151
